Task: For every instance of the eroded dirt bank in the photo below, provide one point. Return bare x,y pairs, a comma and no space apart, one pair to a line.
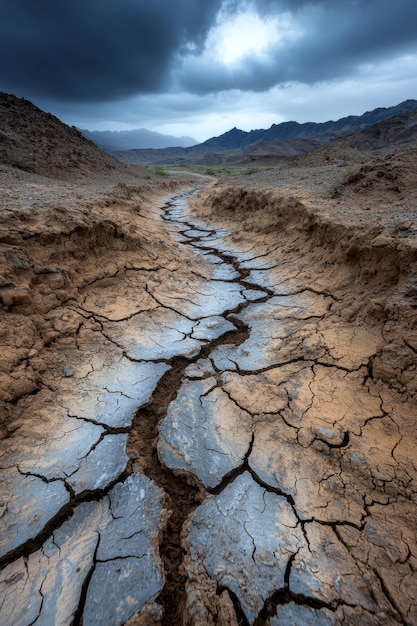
64,247
209,412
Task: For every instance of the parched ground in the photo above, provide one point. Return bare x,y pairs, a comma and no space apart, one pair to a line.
336,398
209,417
347,226
63,246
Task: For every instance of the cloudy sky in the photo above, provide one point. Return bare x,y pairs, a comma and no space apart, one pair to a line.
201,67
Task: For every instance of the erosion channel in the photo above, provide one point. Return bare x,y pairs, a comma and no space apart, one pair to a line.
218,465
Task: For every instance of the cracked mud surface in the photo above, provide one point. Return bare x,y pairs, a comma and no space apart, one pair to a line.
210,425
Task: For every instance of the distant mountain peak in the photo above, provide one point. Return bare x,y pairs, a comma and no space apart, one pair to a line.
140,138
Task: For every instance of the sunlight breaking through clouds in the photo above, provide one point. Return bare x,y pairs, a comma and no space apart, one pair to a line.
231,40
201,68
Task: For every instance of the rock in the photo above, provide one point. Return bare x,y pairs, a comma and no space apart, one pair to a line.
16,295
4,283
68,371
45,269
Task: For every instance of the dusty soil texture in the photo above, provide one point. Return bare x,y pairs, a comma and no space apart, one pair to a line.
337,403
348,223
62,243
209,395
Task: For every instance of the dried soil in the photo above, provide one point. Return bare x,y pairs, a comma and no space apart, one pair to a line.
350,228
69,250
62,244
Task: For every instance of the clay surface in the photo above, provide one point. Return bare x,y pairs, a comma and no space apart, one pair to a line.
208,399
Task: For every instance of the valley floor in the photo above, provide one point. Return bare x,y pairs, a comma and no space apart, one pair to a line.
210,397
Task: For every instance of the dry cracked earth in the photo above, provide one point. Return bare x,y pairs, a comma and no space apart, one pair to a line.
211,424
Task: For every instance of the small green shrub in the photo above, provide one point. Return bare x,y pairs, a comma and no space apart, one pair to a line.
18,159
160,171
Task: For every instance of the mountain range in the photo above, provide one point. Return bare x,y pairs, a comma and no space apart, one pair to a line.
235,138
36,141
112,140
285,139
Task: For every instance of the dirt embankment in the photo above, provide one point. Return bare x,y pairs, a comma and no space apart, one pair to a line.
349,231
59,241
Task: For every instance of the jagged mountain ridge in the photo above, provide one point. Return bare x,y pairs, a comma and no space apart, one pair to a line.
279,140
400,131
235,138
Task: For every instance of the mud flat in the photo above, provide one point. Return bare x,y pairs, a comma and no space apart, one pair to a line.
214,420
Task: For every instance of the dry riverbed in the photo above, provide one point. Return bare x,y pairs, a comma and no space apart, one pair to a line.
209,399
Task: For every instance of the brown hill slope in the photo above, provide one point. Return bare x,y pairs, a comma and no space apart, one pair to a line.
33,140
398,131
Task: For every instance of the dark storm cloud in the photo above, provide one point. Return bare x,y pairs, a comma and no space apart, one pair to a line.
338,36
96,49
108,50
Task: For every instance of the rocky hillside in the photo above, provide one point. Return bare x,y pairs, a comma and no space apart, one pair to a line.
324,132
33,140
397,132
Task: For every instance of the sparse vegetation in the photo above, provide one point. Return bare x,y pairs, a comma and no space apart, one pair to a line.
251,170
18,159
160,171
231,170
353,155
352,171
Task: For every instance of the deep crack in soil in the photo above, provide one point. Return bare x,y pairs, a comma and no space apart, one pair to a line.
181,495
183,492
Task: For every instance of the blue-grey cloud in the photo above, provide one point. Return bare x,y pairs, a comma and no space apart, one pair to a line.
110,50
100,49
338,38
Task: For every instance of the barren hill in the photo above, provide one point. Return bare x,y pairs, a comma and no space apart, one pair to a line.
398,131
35,141
324,132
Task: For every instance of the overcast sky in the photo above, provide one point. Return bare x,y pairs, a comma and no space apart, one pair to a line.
201,67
